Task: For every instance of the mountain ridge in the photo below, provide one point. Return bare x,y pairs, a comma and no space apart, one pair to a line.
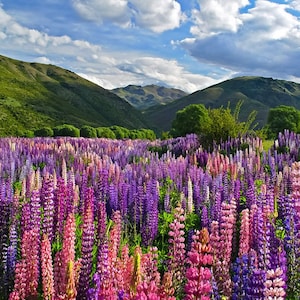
144,97
258,93
34,95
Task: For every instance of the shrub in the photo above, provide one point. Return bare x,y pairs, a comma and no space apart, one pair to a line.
44,132
66,130
88,131
105,132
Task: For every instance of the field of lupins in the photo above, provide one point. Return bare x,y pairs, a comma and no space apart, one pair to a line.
108,219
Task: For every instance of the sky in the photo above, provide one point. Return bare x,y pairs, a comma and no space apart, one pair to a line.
185,44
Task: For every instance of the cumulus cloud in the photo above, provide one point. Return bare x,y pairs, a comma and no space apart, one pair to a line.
155,15
217,16
109,69
43,60
266,42
116,11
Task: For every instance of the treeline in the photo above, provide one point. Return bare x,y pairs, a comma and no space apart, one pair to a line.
215,125
86,131
212,125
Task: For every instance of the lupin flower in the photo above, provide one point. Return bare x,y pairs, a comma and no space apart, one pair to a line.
274,285
177,248
47,269
47,197
65,265
198,274
27,269
223,258
244,233
87,244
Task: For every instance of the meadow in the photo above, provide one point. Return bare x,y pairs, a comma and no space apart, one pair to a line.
135,219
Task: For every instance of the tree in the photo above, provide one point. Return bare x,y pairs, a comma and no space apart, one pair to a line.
105,132
88,131
194,118
223,126
226,124
66,130
120,132
44,132
282,117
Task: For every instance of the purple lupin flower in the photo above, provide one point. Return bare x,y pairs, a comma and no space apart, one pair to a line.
47,198
87,244
35,209
60,206
256,284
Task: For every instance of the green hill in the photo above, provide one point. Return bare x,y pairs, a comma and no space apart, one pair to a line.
258,93
34,95
143,97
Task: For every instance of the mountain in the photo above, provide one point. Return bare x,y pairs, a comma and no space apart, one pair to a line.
143,97
34,95
257,93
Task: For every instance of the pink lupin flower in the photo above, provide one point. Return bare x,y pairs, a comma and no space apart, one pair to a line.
66,270
244,233
274,285
177,248
47,269
198,275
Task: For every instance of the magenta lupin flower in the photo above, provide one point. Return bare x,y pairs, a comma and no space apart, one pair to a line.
198,274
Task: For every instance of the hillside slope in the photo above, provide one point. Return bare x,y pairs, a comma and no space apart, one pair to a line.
33,95
258,93
143,97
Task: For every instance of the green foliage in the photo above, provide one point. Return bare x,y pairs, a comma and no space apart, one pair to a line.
120,132
105,132
66,130
192,221
226,124
282,117
211,125
192,119
88,131
27,133
44,132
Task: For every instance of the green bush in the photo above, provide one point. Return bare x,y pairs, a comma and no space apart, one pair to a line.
120,132
105,132
44,132
88,131
27,133
66,130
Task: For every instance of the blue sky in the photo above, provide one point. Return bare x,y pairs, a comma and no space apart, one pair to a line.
186,44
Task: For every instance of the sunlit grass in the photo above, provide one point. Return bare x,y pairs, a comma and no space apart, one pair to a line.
267,144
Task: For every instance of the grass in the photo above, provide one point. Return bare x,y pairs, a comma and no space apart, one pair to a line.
267,144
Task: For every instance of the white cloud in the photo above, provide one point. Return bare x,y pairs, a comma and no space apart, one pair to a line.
295,4
109,69
155,15
116,11
217,16
43,60
267,42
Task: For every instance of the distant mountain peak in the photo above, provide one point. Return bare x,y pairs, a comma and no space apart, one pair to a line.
144,97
